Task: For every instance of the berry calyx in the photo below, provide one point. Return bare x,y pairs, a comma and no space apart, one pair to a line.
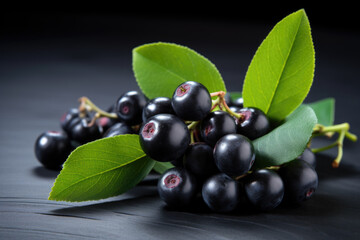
129,107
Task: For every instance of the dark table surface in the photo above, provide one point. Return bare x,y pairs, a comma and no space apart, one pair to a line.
48,61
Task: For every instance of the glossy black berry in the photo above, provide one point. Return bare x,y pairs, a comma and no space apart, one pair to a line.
119,128
129,107
164,137
300,180
177,187
156,106
52,149
309,157
191,101
199,160
216,125
67,119
221,193
264,189
253,123
82,131
234,154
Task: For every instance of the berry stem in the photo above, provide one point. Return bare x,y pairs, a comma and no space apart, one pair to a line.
342,130
220,101
87,104
191,128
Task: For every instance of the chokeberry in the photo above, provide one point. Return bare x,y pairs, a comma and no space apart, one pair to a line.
264,189
67,118
52,149
253,123
309,157
177,187
191,101
164,137
221,193
199,160
83,132
234,154
216,125
300,181
129,107
119,128
156,106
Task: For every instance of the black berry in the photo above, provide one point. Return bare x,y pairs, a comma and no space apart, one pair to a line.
234,154
221,193
191,101
52,149
253,123
264,189
309,157
82,131
164,137
156,106
177,187
200,161
129,107
300,181
216,125
68,118
119,128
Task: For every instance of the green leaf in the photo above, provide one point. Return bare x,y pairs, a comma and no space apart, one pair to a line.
101,169
281,72
324,110
161,167
287,141
160,67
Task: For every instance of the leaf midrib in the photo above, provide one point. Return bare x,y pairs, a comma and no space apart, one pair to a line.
284,65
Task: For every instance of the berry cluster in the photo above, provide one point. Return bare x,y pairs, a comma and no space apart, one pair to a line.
206,136
81,125
209,142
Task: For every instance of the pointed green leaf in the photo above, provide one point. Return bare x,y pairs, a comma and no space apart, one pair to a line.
287,141
102,169
281,72
160,67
